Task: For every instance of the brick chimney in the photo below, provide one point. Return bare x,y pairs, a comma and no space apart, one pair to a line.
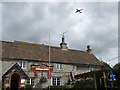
89,50
63,45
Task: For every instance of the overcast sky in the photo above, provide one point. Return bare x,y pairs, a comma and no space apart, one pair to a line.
32,22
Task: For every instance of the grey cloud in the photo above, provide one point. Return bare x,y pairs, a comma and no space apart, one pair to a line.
33,22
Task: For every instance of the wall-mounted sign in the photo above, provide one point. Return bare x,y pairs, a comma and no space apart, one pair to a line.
22,81
41,68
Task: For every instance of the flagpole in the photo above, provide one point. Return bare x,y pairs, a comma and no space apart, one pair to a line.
49,61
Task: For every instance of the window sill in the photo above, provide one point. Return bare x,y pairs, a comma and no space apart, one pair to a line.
23,68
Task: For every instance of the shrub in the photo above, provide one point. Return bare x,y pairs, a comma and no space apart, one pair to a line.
84,84
29,87
79,83
69,86
56,88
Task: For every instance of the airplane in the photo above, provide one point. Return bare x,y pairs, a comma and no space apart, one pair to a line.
78,10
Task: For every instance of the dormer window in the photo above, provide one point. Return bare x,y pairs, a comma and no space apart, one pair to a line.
22,64
59,66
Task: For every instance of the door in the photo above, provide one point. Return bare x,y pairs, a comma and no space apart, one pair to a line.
15,81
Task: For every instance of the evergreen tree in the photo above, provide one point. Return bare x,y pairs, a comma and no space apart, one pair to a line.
117,66
105,65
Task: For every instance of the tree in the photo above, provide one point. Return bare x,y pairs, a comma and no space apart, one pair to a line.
116,66
105,65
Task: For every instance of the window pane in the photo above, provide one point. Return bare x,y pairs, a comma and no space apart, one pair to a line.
7,81
58,81
32,81
24,64
28,81
60,66
57,66
54,81
20,63
92,69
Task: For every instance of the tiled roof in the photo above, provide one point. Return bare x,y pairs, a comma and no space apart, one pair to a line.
30,51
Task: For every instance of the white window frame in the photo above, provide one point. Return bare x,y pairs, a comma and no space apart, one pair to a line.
30,81
7,81
27,81
91,69
51,81
23,65
56,83
59,66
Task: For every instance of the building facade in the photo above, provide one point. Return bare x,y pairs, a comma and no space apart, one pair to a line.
27,63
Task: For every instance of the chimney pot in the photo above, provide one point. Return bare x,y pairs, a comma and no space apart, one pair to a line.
89,50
